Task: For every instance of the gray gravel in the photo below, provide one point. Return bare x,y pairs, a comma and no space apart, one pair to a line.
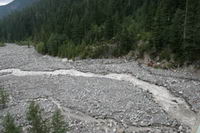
93,104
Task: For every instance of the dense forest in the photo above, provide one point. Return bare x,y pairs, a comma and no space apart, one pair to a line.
15,5
168,29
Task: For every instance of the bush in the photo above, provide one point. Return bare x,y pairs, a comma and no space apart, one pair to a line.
3,98
87,52
40,47
2,44
68,50
100,51
54,42
165,54
144,36
26,42
9,125
144,47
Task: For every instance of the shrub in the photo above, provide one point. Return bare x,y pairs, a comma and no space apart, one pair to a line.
54,42
100,51
87,52
144,36
165,54
26,42
3,98
40,47
69,50
144,46
23,43
9,125
2,44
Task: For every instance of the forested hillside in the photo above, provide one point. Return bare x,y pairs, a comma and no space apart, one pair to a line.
16,5
168,29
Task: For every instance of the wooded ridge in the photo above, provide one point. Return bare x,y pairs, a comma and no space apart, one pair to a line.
168,29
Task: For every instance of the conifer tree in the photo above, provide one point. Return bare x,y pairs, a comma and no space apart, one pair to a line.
34,117
3,98
58,123
9,125
172,24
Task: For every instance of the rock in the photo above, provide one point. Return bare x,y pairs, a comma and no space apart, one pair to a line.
65,60
180,128
71,61
125,103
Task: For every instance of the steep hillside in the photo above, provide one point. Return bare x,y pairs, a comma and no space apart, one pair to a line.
165,29
15,5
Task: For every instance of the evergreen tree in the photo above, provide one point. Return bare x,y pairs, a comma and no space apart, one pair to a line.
109,29
177,30
9,125
58,123
34,117
171,24
3,98
190,29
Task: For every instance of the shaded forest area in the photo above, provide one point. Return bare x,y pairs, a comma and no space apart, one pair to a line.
168,29
14,6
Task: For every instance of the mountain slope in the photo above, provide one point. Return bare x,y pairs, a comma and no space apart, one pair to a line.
164,29
15,5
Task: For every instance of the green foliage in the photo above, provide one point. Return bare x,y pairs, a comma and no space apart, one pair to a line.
100,51
128,36
36,122
39,125
25,43
40,47
144,46
9,125
71,28
95,34
109,28
3,98
145,36
68,49
165,54
34,116
96,51
58,123
2,44
54,42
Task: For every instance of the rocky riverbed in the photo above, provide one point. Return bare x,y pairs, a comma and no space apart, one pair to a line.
102,95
